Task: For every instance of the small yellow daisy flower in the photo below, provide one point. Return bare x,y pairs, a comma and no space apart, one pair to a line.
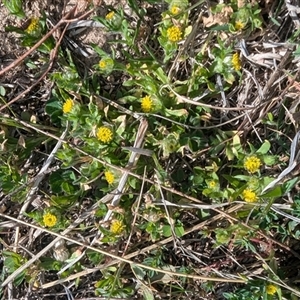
271,289
175,10
49,219
239,25
33,26
102,64
212,184
110,15
106,64
116,227
68,105
146,104
109,176
174,34
104,134
236,62
252,164
249,196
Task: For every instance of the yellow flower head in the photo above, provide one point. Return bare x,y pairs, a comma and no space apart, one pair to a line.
174,34
175,10
271,289
49,219
252,164
33,26
116,227
109,176
102,64
249,196
212,184
147,104
68,105
239,25
110,15
236,62
106,64
104,134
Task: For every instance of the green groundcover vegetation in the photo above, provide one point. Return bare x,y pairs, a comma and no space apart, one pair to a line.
161,163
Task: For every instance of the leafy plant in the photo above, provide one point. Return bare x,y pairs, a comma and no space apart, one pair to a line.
201,164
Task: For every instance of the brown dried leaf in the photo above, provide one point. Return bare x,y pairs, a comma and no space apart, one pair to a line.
241,3
219,18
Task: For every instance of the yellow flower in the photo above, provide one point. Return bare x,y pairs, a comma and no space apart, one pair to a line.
49,219
236,62
239,25
249,196
33,26
110,177
146,104
68,105
252,164
110,15
102,64
106,64
116,227
104,134
212,184
271,289
174,34
175,10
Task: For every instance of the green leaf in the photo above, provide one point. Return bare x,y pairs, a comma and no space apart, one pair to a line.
229,152
211,86
68,188
236,142
50,264
121,121
229,78
290,184
275,193
179,175
10,28
176,112
129,83
94,257
15,7
242,177
222,236
264,148
12,261
138,272
232,180
198,179
266,180
167,230
275,21
132,182
99,50
161,75
55,182
35,215
54,109
269,160
2,91
147,292
63,201
297,51
179,230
